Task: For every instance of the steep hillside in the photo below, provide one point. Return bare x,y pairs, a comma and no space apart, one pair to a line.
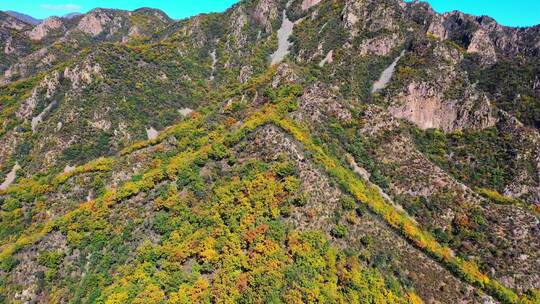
338,151
13,39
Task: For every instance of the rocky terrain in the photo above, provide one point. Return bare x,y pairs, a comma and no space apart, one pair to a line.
303,151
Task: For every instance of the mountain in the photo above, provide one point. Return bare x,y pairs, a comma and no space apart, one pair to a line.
24,18
71,15
339,151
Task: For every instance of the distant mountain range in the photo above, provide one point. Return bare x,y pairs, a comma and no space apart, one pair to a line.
24,17
34,21
71,15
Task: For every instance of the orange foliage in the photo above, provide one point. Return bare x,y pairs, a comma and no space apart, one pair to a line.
251,235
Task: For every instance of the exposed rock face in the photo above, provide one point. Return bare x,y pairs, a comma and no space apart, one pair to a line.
369,16
47,88
349,16
43,29
8,47
239,19
81,75
380,46
151,133
307,4
436,28
481,44
38,119
284,74
265,12
94,22
245,74
483,33
213,55
68,169
134,32
450,55
185,112
424,106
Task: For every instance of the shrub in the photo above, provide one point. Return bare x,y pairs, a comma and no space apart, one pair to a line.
495,196
347,203
9,263
366,240
299,201
339,231
51,259
284,169
218,152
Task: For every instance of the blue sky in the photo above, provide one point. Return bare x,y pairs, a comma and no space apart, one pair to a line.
507,12
174,8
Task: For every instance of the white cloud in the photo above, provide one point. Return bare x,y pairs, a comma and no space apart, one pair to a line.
61,7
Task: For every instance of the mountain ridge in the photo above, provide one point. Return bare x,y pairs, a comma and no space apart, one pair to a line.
23,17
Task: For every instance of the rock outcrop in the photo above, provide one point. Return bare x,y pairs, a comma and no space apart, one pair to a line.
43,29
481,34
44,92
94,22
81,75
481,44
380,46
424,106
265,12
307,4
